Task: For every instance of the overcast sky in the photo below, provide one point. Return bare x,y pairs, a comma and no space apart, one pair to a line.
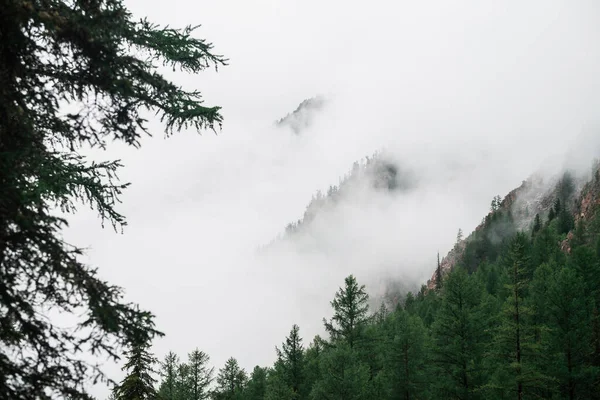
473,96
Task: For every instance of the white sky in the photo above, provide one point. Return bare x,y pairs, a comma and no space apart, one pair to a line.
473,95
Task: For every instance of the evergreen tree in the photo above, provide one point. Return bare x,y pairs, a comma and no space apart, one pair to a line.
168,371
571,336
586,263
438,273
517,351
278,389
350,312
312,363
381,315
406,361
200,375
257,384
458,337
459,236
231,381
551,214
566,188
291,359
74,74
139,383
537,224
183,390
344,377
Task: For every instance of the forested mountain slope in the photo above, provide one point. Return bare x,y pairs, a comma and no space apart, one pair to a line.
513,314
513,311
567,198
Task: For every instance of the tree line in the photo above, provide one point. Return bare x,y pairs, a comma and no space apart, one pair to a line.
523,324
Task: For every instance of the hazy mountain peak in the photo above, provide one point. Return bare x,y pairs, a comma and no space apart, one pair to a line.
301,118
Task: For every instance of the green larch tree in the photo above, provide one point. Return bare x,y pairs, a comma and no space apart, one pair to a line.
182,383
138,384
277,388
438,273
406,357
291,361
518,354
257,384
350,313
75,74
231,381
344,377
200,375
457,334
168,372
569,309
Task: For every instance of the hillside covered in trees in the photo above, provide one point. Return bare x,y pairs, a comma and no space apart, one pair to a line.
515,315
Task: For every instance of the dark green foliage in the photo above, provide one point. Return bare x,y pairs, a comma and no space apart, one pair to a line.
200,375
350,313
438,274
139,383
571,335
168,371
277,389
290,360
458,336
344,376
537,224
74,74
231,381
257,384
551,214
516,349
405,371
312,368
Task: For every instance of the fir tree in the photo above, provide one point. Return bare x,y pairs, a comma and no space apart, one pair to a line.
571,336
291,360
551,214
257,384
277,389
405,354
350,312
344,376
537,224
231,381
200,375
168,371
459,236
517,351
95,60
312,362
438,273
183,389
139,383
458,337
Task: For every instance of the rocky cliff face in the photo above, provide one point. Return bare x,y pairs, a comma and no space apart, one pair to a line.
537,196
